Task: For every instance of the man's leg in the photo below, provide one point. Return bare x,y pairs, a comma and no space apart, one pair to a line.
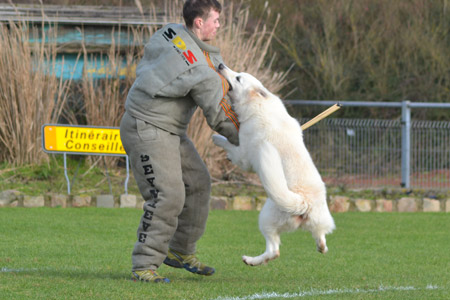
197,181
192,220
156,163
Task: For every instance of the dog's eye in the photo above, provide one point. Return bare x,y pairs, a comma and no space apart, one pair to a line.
238,79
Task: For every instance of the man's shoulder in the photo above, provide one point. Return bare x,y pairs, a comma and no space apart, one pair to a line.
179,31
173,31
175,45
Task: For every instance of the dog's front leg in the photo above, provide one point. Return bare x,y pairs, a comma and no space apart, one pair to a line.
222,142
234,153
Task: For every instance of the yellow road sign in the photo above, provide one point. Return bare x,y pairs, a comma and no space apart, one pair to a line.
82,139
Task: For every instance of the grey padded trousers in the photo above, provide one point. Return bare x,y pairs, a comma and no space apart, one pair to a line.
175,185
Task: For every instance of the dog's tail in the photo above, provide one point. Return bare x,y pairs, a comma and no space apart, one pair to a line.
270,171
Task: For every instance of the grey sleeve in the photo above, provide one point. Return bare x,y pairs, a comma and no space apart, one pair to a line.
209,94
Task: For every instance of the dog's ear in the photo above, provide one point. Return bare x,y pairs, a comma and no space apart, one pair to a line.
258,92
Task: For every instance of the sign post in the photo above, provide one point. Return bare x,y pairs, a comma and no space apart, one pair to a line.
83,140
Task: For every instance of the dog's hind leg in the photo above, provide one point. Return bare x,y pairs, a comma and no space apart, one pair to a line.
321,243
272,251
269,167
269,227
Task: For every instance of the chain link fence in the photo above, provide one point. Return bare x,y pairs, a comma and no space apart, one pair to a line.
359,153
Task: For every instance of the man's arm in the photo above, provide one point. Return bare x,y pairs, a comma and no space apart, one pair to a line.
209,95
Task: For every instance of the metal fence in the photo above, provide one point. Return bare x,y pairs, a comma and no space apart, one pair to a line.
430,154
381,153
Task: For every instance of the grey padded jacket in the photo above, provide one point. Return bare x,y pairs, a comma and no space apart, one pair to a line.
175,76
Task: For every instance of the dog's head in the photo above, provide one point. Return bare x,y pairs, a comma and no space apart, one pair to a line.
243,86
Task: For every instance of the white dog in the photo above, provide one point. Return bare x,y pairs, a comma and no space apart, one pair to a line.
271,144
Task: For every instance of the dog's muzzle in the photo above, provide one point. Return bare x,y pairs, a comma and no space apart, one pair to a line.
220,69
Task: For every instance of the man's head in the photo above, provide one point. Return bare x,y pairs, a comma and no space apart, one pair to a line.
202,17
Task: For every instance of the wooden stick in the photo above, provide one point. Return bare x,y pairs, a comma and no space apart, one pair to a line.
321,116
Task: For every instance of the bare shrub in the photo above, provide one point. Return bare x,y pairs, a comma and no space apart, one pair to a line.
30,93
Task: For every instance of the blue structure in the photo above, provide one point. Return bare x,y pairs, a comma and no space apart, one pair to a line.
70,64
94,28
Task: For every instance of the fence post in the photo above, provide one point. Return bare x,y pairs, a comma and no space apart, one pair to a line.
406,143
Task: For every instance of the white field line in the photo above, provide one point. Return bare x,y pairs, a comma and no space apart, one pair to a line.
274,295
9,270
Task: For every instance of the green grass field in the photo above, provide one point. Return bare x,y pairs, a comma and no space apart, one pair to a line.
56,253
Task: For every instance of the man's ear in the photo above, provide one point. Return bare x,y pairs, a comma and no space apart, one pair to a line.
198,22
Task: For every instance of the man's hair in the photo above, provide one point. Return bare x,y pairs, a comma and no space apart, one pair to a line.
199,8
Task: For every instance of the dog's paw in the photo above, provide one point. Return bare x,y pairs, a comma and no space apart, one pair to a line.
323,250
322,246
219,140
249,261
261,259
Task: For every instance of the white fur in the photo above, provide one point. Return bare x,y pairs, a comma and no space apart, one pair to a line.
271,144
